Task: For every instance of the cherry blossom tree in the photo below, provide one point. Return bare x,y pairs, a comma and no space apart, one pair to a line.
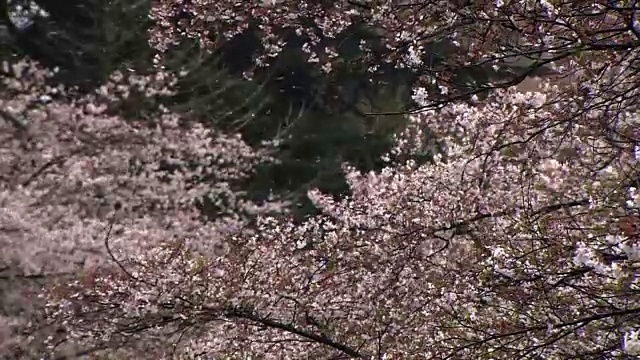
72,171
518,240
515,37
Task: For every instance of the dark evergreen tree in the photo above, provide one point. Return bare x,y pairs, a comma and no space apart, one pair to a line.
86,40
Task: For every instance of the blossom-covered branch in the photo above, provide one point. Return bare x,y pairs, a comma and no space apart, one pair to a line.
514,243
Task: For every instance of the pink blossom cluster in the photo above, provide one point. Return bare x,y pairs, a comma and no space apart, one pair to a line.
64,172
72,171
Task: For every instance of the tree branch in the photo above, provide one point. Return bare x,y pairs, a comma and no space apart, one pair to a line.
321,339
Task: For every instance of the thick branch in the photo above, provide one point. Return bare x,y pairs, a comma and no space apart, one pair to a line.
321,339
541,211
